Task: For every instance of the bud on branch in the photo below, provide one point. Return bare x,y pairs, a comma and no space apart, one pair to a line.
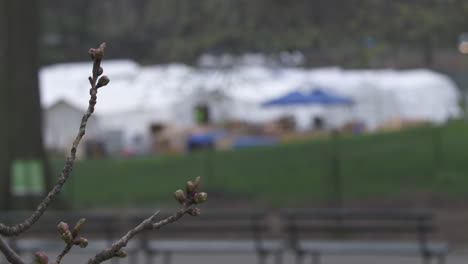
179,195
78,226
103,81
121,254
194,212
82,242
40,258
63,227
200,197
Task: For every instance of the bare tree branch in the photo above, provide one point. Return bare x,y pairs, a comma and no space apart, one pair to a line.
147,224
186,198
9,253
70,237
65,174
64,252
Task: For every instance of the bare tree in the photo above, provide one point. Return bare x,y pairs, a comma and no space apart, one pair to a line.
187,198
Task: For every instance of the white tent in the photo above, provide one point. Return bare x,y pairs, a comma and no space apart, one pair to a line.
140,95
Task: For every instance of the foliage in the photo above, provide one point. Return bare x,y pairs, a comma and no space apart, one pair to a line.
179,30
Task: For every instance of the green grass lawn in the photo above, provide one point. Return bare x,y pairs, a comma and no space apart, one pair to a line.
371,165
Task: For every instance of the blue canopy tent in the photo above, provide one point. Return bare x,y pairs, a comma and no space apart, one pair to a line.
315,97
291,98
319,97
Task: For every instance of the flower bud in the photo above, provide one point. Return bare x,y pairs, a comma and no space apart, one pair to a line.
67,237
79,225
200,197
196,182
121,254
179,195
92,53
103,81
100,71
194,211
98,54
62,227
82,242
40,258
190,187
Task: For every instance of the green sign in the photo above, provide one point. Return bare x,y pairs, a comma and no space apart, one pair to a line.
27,177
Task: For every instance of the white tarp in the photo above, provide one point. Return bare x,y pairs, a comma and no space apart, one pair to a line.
168,93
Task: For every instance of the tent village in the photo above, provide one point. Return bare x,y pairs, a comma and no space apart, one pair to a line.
175,107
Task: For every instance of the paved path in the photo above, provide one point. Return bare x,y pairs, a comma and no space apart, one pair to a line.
455,258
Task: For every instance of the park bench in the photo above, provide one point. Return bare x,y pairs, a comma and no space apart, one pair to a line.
215,232
101,229
380,232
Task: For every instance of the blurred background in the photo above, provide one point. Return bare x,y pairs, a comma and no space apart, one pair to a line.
275,104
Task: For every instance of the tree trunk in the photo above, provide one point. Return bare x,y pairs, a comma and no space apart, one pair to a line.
20,115
4,105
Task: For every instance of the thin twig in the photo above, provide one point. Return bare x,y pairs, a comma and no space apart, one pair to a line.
65,174
64,252
186,199
9,253
70,237
147,224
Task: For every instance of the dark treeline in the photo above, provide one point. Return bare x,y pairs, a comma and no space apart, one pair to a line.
326,31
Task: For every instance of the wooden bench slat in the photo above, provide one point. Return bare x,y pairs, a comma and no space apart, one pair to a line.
360,228
419,223
214,245
371,246
376,214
